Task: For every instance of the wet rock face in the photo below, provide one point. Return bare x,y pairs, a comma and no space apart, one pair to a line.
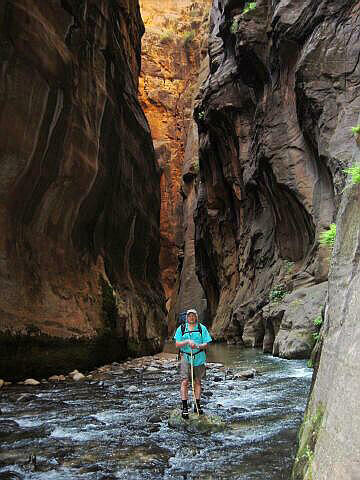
79,182
172,48
274,121
331,426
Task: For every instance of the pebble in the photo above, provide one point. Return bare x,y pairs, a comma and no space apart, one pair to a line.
31,381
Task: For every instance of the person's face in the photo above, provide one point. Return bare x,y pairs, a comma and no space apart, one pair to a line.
191,318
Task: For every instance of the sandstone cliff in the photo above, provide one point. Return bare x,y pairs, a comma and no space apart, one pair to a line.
172,48
329,440
79,183
274,123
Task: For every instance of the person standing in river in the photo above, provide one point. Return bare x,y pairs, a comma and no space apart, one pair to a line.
192,338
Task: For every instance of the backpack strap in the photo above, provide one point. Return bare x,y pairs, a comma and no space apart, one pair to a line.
183,329
200,330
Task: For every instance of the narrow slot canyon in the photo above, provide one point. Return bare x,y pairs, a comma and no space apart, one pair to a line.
160,156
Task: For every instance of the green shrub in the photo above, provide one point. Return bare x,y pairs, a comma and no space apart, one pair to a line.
166,37
278,293
318,321
195,13
289,266
310,363
354,171
188,37
250,6
201,115
316,336
234,28
328,236
196,167
356,129
109,309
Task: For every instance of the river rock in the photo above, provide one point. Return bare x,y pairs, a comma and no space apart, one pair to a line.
25,397
152,369
196,423
207,394
132,389
294,336
246,374
155,418
31,381
2,383
54,378
10,475
214,365
78,376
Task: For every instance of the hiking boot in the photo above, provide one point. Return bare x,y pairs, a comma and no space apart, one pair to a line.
201,411
185,413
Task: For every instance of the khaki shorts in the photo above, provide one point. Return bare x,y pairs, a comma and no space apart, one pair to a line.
185,370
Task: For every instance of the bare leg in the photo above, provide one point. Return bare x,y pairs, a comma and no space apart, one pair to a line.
197,389
184,389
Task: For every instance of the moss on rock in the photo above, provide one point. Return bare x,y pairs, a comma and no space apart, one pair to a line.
195,423
308,436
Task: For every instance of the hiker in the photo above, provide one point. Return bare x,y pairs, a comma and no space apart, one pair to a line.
192,337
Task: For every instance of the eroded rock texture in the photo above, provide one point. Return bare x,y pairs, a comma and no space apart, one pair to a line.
172,48
79,186
329,441
274,120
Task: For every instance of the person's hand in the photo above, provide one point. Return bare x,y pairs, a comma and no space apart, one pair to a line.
192,344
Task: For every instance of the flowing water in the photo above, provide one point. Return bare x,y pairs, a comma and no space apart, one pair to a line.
115,424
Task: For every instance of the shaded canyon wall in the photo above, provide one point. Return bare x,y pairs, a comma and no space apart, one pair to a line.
80,197
274,118
329,440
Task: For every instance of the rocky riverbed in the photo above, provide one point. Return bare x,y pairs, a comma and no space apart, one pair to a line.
114,422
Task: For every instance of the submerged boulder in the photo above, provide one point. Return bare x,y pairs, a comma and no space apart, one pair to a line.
196,423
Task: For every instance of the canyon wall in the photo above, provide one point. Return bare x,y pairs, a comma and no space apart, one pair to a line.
329,440
173,46
274,118
80,196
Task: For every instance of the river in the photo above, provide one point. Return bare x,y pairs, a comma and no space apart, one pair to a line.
115,425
